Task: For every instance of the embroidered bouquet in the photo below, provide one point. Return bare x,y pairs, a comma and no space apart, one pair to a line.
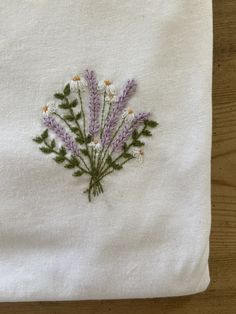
96,137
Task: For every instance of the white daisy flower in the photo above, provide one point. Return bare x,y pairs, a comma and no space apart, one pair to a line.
96,145
128,115
110,89
78,83
111,99
49,108
102,86
106,86
138,153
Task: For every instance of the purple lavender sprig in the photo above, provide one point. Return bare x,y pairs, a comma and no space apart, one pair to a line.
94,103
119,106
128,130
139,119
51,123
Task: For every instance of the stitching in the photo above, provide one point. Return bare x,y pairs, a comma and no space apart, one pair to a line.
100,142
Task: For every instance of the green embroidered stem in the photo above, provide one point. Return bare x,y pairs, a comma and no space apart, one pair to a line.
69,126
100,154
100,178
95,186
77,124
89,190
84,123
83,161
67,159
103,111
128,159
82,111
101,188
109,144
127,149
107,173
80,131
94,158
108,112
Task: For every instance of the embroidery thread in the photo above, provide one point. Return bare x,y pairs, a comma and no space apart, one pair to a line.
98,139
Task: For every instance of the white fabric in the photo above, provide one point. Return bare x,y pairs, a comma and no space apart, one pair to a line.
147,236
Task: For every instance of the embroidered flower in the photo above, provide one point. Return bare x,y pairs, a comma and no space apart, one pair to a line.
49,108
128,130
116,112
78,83
69,131
94,103
111,98
109,89
128,115
138,153
63,135
106,86
96,145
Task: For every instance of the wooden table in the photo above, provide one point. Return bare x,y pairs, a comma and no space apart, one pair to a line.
221,295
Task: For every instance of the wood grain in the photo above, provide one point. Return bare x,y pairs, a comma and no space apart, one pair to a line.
221,295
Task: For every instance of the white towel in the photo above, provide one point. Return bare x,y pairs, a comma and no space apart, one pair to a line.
147,235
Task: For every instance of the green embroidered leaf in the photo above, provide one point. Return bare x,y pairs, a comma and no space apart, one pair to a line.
59,96
64,106
74,161
59,159
68,117
78,116
88,139
69,166
135,134
117,166
38,139
125,146
62,151
138,143
127,155
74,129
74,103
109,160
66,90
45,150
85,152
151,123
79,140
77,173
44,135
146,133
53,143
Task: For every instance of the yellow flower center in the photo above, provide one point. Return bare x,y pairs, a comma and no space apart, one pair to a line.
107,82
141,151
76,78
130,111
96,141
45,108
